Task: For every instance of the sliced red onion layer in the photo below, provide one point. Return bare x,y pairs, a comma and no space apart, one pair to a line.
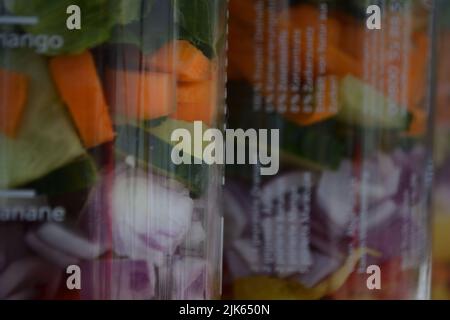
396,237
412,160
127,244
334,195
334,218
379,181
190,279
155,210
95,218
25,273
289,252
119,279
237,211
66,241
381,213
49,253
195,237
383,177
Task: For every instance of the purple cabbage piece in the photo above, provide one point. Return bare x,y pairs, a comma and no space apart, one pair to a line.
118,279
399,236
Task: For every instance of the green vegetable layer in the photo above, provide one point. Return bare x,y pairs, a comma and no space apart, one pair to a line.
98,17
47,139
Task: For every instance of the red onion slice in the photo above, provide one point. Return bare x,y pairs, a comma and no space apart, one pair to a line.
155,210
190,279
119,279
53,255
62,239
195,237
24,273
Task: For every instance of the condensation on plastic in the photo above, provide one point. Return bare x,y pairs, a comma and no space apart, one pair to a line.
86,175
441,187
347,216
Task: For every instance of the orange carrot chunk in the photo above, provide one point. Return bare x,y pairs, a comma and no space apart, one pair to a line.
181,58
196,101
304,16
80,88
340,63
13,98
141,95
419,124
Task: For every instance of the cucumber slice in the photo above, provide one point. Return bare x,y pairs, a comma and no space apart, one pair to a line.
153,147
78,175
316,147
363,105
47,139
165,129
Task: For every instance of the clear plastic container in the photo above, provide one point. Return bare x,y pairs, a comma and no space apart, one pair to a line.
347,215
92,203
441,188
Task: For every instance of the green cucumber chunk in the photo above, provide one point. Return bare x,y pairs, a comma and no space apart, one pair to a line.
153,148
78,175
363,105
47,139
316,147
